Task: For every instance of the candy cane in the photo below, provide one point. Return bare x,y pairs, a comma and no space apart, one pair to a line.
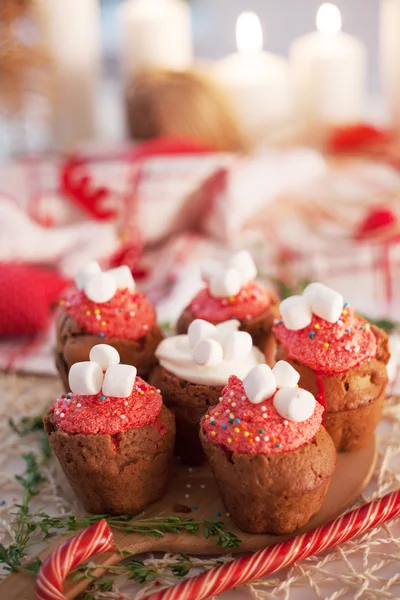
264,562
94,540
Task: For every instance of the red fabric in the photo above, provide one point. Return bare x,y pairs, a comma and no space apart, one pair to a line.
27,295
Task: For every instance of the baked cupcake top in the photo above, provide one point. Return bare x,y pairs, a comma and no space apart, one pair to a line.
209,354
107,397
322,332
265,414
108,305
230,291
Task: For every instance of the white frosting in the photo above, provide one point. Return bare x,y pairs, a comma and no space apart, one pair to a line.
175,355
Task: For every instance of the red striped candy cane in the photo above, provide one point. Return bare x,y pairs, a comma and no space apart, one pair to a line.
264,562
94,540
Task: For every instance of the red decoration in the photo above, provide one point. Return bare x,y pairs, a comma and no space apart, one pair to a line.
378,221
27,295
264,562
94,540
80,188
356,138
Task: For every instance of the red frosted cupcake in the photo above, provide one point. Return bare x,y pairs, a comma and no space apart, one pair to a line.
106,307
341,359
271,457
112,435
231,293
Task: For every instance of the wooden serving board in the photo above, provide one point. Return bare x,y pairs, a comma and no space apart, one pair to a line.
196,488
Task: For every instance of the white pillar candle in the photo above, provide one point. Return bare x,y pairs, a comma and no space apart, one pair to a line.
328,72
390,57
256,82
155,33
71,30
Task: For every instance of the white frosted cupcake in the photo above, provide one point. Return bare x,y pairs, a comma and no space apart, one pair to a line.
194,368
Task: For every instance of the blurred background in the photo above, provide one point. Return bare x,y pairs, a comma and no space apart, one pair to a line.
137,129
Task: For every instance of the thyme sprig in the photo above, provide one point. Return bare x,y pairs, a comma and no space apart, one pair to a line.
138,571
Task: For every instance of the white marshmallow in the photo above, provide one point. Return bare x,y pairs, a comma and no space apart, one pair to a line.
104,355
123,277
243,262
85,378
259,384
311,289
200,330
119,381
227,327
327,304
294,404
237,345
208,353
208,267
296,312
285,375
100,288
226,282
85,273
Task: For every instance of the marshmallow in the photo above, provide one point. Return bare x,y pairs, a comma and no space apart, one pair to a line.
226,282
237,345
259,384
285,375
327,304
243,262
123,277
208,353
294,404
85,378
227,327
100,288
199,330
104,355
311,289
119,381
296,312
208,267
85,273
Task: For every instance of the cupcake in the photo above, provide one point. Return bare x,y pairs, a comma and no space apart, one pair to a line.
112,435
193,370
270,455
341,360
231,293
106,307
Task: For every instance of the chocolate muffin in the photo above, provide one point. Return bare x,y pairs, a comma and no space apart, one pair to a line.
274,460
125,320
341,360
193,371
231,293
115,444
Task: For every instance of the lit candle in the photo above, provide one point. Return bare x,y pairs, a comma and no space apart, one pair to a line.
256,82
390,57
72,34
328,72
155,33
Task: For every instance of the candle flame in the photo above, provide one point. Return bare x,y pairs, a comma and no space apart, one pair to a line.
329,20
249,35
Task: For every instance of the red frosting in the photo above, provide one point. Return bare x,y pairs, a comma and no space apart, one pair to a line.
329,347
246,428
91,414
127,315
250,302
